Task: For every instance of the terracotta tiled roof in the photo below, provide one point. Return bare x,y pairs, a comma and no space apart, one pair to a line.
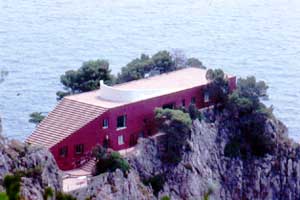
67,117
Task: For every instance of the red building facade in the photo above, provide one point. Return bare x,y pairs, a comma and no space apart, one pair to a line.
82,121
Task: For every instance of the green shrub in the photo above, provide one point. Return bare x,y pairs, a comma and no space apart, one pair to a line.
34,172
48,193
194,112
176,124
157,183
165,198
36,117
195,62
218,87
12,184
108,161
3,196
63,196
232,148
173,115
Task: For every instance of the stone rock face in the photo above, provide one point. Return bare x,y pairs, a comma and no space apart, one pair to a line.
33,187
116,186
38,163
205,168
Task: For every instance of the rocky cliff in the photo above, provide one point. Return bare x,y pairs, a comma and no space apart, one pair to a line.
37,165
205,170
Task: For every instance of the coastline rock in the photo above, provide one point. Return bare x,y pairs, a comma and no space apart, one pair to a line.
37,163
205,168
116,186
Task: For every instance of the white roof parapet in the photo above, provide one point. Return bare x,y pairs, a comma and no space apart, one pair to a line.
125,95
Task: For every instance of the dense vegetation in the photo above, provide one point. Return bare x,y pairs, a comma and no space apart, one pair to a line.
108,161
156,182
160,62
86,78
218,87
245,115
176,124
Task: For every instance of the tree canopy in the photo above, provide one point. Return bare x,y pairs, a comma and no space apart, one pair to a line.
218,86
36,117
136,69
160,62
86,78
176,124
108,160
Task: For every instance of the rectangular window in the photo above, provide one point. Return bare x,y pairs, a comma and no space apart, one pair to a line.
79,149
121,121
183,102
105,123
168,106
120,140
193,100
206,97
63,152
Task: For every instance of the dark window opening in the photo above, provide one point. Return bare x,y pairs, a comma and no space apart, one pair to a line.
106,142
141,134
206,97
105,123
168,106
193,100
132,141
79,149
121,121
63,152
183,102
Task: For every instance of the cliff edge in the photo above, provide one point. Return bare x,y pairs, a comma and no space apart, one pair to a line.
204,170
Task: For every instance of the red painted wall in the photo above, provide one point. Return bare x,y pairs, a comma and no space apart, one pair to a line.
140,118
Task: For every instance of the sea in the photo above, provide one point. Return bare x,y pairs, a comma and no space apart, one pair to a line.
40,40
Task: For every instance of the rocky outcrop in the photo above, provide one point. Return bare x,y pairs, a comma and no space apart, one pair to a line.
204,168
37,165
116,186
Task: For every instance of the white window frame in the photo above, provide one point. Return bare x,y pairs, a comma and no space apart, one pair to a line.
124,124
120,140
105,123
206,97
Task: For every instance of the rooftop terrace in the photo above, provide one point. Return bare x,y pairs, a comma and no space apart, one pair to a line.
109,97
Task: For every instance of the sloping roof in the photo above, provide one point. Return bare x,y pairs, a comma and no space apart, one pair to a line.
175,81
67,117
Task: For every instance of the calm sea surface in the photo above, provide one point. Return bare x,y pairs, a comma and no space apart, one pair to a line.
39,40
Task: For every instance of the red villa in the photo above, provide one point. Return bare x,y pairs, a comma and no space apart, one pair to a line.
117,116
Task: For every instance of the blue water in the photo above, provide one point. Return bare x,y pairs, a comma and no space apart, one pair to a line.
39,40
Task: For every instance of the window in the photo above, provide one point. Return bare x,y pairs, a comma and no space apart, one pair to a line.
183,102
121,121
168,106
63,152
193,100
206,97
120,140
79,148
105,123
